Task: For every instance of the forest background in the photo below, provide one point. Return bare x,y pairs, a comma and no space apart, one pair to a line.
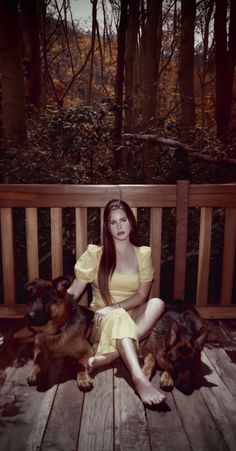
144,93
147,95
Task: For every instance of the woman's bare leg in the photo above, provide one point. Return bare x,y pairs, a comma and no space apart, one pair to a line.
102,360
147,392
146,315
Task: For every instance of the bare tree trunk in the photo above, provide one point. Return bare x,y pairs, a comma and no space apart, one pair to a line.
32,62
221,62
120,77
231,58
130,62
225,63
11,68
186,62
150,55
45,69
203,74
94,27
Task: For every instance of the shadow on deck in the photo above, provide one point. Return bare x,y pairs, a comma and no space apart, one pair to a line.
111,417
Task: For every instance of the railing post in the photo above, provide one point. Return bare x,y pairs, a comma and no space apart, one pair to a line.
181,239
155,243
227,276
32,246
56,242
8,265
204,256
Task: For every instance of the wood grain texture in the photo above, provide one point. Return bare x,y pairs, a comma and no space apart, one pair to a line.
101,224
215,311
181,234
223,366
56,242
131,432
221,404
198,424
162,437
203,195
155,197
64,419
8,264
24,410
228,267
111,417
32,243
81,234
204,256
81,240
155,243
96,428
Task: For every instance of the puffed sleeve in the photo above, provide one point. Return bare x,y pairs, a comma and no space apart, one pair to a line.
86,266
146,269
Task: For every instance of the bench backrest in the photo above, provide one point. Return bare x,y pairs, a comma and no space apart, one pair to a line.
180,197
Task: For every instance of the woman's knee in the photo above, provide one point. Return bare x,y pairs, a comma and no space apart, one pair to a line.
158,304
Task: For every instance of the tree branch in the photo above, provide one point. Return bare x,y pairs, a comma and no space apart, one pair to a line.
179,145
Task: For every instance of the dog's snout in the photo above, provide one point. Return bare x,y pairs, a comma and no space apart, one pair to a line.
38,314
37,318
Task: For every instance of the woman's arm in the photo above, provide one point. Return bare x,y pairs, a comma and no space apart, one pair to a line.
134,301
76,289
138,298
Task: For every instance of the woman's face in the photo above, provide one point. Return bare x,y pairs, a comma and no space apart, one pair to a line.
119,225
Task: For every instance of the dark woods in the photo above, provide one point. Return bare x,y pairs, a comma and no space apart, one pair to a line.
85,92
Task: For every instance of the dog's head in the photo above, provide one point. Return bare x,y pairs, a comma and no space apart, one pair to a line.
184,355
42,295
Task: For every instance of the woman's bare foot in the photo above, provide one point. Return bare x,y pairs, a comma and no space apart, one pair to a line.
101,360
148,393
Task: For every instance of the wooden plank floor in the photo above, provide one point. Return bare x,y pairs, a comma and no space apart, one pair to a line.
58,417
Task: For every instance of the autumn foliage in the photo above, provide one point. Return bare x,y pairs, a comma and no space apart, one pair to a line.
155,67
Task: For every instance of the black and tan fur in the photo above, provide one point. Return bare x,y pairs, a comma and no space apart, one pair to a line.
61,328
174,347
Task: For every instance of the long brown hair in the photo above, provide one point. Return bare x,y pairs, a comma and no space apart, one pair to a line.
108,258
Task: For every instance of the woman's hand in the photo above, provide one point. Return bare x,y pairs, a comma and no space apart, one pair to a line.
100,314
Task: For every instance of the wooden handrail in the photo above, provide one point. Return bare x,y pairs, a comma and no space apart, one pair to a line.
180,197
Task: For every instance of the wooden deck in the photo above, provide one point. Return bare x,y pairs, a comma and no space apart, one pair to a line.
111,417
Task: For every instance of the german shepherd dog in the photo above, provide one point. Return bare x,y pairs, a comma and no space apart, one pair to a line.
174,346
61,328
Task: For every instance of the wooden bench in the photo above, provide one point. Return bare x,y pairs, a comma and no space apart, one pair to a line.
180,197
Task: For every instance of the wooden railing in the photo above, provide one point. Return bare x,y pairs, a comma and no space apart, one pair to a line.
156,197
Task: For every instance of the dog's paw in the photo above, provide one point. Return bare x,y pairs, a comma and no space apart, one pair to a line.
147,371
41,340
166,381
149,365
35,376
32,380
84,382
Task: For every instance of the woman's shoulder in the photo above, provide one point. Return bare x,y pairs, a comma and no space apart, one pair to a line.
86,266
145,264
92,252
144,250
94,248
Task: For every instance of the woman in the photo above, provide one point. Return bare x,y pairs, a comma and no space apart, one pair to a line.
121,275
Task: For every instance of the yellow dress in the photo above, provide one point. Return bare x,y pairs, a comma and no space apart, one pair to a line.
118,323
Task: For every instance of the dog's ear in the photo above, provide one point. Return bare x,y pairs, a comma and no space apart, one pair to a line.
29,286
201,339
39,288
62,283
173,334
30,289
